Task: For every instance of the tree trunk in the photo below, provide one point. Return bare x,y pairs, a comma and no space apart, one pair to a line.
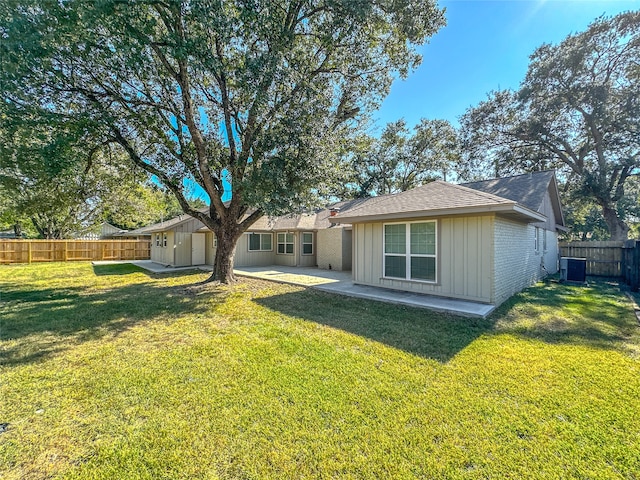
617,228
223,263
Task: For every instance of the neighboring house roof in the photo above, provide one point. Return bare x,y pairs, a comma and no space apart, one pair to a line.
171,223
434,199
138,232
8,234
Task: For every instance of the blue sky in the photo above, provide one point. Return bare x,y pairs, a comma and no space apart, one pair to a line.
485,46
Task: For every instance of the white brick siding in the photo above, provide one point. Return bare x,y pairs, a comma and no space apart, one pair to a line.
516,263
329,248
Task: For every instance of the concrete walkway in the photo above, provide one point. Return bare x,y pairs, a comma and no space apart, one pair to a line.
341,283
335,282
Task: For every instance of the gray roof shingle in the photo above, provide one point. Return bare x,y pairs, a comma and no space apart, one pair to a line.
436,196
528,189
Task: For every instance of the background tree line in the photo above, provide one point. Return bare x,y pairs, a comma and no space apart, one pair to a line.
577,111
107,107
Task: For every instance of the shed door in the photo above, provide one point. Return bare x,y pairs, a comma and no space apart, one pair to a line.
197,248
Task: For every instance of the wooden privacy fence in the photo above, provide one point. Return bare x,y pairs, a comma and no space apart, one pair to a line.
631,264
31,251
604,259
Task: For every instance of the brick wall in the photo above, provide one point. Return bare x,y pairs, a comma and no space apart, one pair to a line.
516,263
329,251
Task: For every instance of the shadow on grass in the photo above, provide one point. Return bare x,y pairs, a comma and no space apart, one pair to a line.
596,315
45,321
417,331
128,268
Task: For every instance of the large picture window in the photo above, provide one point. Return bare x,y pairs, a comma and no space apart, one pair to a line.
285,243
260,242
410,251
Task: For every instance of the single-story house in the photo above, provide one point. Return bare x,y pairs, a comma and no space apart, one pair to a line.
483,241
480,241
300,240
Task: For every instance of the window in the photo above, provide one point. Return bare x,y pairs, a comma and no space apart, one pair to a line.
215,241
307,243
164,239
157,239
410,251
285,243
259,242
536,239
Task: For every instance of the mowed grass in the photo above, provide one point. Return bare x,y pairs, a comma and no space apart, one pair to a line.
108,372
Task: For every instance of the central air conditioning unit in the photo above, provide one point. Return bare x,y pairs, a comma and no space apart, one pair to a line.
573,269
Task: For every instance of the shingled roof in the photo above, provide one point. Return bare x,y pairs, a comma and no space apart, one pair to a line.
434,199
528,189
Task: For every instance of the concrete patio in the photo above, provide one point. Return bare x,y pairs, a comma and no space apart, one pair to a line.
335,282
340,283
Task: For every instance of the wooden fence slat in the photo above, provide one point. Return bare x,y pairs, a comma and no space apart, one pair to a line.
604,258
13,251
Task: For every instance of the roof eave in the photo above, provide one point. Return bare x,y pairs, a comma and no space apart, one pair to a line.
505,208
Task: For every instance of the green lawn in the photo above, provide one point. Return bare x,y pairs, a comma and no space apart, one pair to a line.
108,372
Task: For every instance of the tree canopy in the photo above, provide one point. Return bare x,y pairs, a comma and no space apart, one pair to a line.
401,159
577,110
255,95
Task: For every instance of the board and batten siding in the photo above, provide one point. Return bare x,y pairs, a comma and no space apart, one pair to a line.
209,249
182,247
306,260
517,263
162,254
245,258
464,259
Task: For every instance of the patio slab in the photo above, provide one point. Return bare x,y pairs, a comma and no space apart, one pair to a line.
341,283
334,282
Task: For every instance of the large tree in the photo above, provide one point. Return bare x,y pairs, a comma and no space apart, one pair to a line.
251,96
578,110
401,159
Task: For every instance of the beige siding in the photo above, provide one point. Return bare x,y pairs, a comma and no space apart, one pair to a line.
162,254
517,263
189,227
550,256
306,260
347,249
546,208
286,259
245,258
182,249
465,259
210,250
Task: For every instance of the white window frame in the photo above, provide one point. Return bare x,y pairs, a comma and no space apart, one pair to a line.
261,249
215,241
303,243
536,239
158,240
285,243
408,253
164,240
